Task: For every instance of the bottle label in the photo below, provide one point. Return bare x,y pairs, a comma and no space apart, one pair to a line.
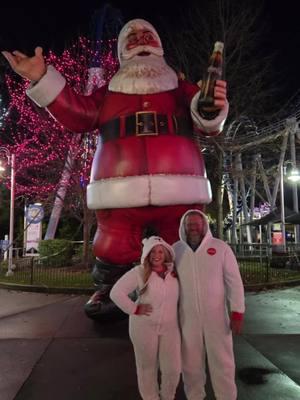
218,71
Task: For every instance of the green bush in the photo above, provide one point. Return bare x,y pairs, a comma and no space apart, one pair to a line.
4,265
55,252
78,253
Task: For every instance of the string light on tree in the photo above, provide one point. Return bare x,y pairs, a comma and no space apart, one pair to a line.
39,143
3,112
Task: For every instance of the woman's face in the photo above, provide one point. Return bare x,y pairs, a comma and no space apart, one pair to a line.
157,256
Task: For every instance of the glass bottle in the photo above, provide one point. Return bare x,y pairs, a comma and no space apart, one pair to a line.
214,72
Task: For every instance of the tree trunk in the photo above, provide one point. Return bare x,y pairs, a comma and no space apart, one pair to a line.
86,235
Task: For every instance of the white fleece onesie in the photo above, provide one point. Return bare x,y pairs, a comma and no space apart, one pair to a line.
209,280
155,338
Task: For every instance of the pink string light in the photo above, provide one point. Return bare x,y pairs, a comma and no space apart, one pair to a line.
41,144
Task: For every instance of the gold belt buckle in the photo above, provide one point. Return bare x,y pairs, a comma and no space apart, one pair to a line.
148,126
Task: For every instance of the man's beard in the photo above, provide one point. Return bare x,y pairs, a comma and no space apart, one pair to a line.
194,239
143,75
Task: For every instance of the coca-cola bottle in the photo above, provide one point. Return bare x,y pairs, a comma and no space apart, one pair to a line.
214,71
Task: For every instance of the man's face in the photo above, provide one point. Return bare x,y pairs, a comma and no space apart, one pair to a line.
194,228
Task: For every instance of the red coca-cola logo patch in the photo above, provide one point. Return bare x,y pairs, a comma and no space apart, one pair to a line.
211,251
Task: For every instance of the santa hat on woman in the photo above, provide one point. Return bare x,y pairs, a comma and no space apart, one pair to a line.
153,241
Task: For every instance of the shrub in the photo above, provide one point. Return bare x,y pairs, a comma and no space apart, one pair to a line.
78,254
55,252
4,265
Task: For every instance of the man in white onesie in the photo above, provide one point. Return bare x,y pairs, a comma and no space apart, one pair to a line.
211,307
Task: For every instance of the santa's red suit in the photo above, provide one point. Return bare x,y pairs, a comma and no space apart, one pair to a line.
147,170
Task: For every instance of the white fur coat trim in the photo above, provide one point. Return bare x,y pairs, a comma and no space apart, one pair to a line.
144,190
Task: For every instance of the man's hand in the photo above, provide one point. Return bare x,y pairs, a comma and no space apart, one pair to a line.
144,309
236,322
32,68
236,327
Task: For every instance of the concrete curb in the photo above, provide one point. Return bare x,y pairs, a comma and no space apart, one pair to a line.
46,289
256,287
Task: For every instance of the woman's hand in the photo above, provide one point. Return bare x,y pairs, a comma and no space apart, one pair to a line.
32,68
144,309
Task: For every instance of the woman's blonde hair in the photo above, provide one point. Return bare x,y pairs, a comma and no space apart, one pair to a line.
148,268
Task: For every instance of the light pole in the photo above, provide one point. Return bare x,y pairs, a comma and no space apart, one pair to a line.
282,209
294,177
11,161
294,174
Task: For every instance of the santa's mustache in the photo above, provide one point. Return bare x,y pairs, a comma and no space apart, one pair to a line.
140,67
128,54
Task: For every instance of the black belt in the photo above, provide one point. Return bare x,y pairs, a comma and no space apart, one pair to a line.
146,123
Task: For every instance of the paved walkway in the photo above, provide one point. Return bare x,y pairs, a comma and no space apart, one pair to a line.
51,351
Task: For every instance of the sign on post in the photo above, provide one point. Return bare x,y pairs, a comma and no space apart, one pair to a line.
34,214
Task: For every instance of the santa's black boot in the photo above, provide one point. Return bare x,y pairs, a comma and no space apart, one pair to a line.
105,275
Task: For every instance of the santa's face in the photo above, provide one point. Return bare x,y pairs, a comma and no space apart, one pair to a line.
142,37
142,66
139,41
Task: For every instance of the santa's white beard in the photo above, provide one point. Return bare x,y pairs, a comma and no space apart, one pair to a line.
143,75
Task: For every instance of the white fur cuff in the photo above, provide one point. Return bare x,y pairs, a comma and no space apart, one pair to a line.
208,126
46,89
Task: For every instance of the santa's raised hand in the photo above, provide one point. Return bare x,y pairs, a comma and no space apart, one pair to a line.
32,68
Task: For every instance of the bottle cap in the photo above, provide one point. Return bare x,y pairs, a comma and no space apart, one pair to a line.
219,46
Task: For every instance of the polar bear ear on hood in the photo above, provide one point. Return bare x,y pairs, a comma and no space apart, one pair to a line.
153,241
182,234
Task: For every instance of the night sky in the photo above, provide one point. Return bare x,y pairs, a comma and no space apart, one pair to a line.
50,25
53,27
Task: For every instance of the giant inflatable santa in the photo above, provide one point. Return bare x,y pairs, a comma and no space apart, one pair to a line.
147,170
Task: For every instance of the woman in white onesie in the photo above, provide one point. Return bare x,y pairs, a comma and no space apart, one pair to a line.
153,322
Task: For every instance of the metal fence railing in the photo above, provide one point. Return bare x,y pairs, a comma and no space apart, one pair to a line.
259,264
264,263
36,272
279,269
